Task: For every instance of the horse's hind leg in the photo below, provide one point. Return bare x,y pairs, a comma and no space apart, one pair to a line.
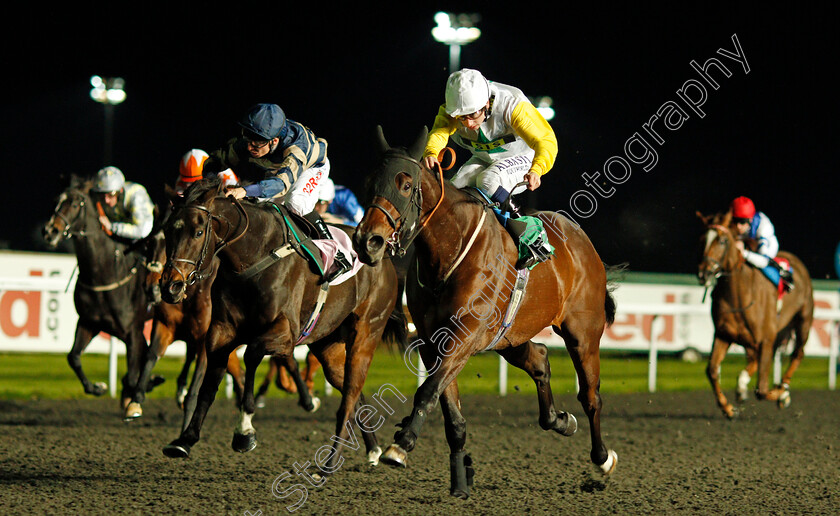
136,348
235,371
585,356
83,337
312,366
308,402
273,368
532,358
245,436
719,349
801,327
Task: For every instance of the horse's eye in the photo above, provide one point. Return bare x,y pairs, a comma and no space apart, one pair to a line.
199,233
406,186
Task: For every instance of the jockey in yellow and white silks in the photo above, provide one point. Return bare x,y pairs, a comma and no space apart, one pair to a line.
508,138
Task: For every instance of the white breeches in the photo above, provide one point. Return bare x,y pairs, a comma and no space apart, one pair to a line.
303,195
505,173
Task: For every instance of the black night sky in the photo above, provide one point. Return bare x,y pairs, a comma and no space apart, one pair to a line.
190,74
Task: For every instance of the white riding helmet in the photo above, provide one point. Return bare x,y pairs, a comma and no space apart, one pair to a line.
326,192
467,91
108,179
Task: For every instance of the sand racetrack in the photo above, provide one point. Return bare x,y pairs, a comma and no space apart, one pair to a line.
677,454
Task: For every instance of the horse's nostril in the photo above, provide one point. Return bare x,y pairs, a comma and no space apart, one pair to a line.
176,287
375,243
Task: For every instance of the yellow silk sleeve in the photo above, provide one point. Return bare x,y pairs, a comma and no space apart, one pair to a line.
530,125
442,129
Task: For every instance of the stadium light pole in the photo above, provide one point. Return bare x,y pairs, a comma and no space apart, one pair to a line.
109,92
455,30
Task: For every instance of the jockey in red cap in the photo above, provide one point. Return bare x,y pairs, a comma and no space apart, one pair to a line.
753,224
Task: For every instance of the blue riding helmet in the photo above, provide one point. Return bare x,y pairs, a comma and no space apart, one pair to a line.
266,121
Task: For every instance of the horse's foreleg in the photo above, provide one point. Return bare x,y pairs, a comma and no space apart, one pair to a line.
359,352
235,371
83,337
245,436
425,400
746,374
461,470
719,349
136,349
162,337
312,366
532,358
216,364
273,369
199,373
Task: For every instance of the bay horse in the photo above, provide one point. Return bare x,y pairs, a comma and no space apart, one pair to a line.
110,292
266,296
744,312
457,290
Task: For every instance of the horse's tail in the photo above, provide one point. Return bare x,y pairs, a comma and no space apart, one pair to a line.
614,274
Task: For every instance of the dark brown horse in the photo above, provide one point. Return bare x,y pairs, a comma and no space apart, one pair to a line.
458,291
265,294
110,293
744,312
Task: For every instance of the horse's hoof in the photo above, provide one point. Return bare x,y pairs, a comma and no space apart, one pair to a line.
133,411
784,400
571,426
394,456
176,451
98,389
373,456
316,404
124,403
154,382
741,396
260,402
609,465
458,493
243,443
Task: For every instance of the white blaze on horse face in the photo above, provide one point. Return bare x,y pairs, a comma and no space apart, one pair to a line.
711,235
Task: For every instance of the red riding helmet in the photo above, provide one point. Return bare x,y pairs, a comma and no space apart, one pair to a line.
743,208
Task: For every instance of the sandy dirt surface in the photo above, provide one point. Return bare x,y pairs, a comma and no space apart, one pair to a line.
677,454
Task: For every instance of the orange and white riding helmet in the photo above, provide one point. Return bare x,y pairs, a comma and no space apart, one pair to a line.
192,166
743,208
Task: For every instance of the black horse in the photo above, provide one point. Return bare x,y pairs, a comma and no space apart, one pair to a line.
267,295
110,293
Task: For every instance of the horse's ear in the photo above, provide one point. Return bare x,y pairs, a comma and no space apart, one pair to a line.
703,218
380,139
416,150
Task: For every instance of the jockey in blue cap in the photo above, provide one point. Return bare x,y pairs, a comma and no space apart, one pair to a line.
283,160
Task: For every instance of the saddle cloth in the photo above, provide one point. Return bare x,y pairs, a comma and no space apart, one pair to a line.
329,248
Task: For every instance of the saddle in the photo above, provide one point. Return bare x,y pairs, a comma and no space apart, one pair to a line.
527,232
299,238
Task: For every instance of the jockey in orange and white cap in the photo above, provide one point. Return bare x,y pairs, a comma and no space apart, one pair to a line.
191,169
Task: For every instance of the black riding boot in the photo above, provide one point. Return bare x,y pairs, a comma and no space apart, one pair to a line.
340,262
784,274
539,250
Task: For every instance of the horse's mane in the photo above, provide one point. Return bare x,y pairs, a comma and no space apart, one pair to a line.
199,189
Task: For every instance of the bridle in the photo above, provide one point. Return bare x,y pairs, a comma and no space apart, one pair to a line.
405,227
198,272
68,231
